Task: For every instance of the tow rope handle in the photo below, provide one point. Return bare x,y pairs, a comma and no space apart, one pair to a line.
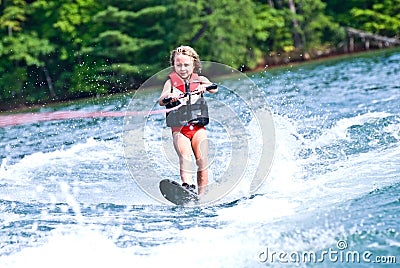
210,87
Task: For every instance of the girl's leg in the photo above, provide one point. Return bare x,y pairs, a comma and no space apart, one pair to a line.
183,148
200,149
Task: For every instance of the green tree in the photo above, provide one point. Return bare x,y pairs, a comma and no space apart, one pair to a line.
13,76
125,48
69,26
340,10
220,30
272,33
21,52
318,29
25,51
382,18
298,25
53,50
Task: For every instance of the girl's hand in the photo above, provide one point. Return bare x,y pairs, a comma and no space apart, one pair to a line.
202,88
209,87
170,97
174,96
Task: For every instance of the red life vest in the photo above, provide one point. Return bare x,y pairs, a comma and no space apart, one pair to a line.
179,83
192,113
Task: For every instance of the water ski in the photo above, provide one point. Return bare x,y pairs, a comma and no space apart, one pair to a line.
177,194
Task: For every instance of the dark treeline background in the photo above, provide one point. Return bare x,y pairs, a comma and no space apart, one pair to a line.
52,50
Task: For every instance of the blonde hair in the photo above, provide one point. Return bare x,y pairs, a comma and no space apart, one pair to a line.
188,51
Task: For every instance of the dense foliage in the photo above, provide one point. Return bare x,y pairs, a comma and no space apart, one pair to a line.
55,50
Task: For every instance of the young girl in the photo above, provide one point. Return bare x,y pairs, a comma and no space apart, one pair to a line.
189,136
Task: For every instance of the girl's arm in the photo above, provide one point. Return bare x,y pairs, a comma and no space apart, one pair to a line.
205,82
166,93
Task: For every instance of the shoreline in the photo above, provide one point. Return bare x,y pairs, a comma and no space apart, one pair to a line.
260,68
325,57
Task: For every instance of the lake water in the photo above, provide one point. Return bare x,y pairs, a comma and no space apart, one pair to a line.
70,193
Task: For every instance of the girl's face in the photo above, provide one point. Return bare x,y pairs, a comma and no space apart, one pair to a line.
183,65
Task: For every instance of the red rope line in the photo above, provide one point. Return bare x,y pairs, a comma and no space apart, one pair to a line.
29,118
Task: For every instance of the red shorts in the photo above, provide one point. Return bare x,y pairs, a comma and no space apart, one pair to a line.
188,131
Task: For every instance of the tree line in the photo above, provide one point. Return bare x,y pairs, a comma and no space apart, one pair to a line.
56,50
